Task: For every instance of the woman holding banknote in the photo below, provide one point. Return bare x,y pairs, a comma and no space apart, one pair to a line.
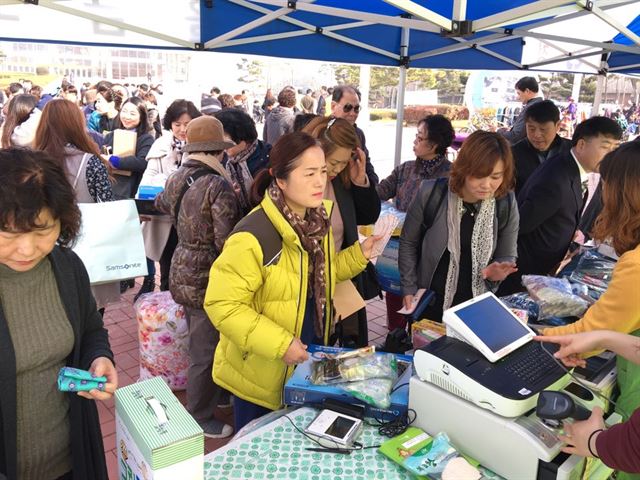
356,203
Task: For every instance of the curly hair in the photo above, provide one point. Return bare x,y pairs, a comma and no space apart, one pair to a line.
619,219
30,181
477,158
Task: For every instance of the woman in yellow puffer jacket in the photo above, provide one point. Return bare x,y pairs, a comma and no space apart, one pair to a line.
269,287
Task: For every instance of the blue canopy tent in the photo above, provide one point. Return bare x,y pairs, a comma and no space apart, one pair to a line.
588,36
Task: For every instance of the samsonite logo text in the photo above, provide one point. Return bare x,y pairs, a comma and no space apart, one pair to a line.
124,266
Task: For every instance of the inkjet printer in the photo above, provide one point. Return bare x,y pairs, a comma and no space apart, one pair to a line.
480,384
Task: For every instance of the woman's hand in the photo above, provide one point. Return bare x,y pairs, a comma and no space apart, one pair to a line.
571,346
368,246
498,271
407,300
102,366
358,168
296,353
576,435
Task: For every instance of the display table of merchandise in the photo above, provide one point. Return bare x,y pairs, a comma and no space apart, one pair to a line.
277,451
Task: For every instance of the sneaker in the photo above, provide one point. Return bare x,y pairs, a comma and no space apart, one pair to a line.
148,286
216,429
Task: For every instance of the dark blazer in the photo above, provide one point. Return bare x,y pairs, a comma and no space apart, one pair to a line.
550,204
358,206
527,159
91,341
126,186
371,173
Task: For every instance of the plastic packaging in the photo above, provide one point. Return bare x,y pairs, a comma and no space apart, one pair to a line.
440,461
554,296
163,336
354,366
594,270
523,301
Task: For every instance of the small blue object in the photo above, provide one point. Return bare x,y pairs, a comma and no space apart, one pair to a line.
148,192
76,380
115,161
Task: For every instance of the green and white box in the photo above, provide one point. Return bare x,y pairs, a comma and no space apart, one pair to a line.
156,438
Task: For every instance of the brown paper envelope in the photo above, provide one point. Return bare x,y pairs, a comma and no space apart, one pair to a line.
346,300
124,143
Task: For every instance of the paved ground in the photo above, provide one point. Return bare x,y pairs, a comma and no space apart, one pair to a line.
123,333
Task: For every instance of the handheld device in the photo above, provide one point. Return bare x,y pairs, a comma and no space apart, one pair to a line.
336,427
558,406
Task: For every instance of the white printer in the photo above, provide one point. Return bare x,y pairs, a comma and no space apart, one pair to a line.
480,385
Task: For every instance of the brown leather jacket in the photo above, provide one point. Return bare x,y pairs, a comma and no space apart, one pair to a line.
208,213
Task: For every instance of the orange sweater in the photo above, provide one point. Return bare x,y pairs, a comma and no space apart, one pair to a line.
619,307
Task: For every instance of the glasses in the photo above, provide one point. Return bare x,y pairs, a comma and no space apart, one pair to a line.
347,107
420,138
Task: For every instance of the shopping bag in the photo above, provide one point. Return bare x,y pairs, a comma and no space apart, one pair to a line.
110,243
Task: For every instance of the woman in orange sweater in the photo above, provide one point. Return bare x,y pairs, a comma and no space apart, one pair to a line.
618,308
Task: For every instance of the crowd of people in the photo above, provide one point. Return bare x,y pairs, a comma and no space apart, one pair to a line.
258,232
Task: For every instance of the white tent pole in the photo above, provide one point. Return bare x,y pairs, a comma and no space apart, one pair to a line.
365,82
597,100
404,52
575,89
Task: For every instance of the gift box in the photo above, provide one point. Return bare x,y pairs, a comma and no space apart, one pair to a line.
300,391
156,438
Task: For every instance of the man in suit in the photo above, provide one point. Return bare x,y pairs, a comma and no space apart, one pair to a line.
527,92
542,121
552,200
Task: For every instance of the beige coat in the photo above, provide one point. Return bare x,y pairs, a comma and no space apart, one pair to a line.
162,161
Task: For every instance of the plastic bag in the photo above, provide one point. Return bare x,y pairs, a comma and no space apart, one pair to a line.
163,334
376,391
357,365
440,461
594,270
554,296
523,301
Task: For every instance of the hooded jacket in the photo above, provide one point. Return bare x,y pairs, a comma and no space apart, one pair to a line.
258,305
277,123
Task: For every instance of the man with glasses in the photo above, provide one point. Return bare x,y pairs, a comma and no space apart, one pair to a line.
552,201
345,103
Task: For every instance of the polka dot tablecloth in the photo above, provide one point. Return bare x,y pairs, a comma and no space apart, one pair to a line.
277,451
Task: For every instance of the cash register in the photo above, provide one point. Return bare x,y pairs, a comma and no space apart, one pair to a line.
480,384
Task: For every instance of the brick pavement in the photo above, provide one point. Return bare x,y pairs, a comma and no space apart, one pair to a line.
120,320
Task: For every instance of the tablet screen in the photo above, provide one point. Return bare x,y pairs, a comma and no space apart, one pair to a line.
492,323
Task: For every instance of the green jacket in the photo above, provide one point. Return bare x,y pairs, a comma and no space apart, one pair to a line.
258,305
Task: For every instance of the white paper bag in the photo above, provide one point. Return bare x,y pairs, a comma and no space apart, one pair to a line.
110,242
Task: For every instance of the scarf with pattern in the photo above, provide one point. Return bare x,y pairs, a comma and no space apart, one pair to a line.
428,167
311,231
481,245
241,177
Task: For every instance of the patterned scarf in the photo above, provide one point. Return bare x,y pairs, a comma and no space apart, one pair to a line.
428,167
481,245
311,231
241,176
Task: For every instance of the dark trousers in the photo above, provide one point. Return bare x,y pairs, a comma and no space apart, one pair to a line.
165,259
394,319
244,412
202,393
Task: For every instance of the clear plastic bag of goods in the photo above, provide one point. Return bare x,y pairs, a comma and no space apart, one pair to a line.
354,366
164,339
554,296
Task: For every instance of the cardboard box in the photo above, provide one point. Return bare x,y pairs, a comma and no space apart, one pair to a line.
300,391
156,438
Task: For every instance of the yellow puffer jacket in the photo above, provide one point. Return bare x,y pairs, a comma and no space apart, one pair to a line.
259,308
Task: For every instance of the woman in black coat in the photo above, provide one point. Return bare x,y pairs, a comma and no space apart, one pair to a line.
48,320
357,202
129,169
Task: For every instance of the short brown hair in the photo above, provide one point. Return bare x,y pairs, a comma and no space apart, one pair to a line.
620,216
287,97
477,158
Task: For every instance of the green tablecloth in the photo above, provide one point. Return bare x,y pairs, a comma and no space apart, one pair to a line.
277,451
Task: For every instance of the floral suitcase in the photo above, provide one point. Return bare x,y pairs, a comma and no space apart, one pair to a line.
163,336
